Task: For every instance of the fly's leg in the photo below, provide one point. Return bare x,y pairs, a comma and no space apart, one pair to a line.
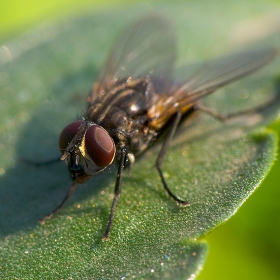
118,190
40,163
161,156
68,194
224,117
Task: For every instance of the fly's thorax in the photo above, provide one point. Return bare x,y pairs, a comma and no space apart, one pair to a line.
130,96
122,110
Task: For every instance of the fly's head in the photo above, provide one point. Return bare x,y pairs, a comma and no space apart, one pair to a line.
87,149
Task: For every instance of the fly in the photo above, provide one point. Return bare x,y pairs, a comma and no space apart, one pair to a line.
134,100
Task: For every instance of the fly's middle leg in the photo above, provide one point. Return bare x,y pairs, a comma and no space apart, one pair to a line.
161,155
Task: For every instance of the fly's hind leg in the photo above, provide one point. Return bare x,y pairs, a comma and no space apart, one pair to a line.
161,157
224,117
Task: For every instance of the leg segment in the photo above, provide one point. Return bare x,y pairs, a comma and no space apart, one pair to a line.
118,189
224,117
39,163
161,156
68,194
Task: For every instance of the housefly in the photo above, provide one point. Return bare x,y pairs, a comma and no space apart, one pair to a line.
134,100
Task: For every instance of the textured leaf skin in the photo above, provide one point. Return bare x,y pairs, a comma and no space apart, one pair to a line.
215,166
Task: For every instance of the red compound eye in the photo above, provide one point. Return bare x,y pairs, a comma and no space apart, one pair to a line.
100,146
67,134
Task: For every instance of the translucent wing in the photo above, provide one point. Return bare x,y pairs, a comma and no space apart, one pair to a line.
145,49
224,70
208,77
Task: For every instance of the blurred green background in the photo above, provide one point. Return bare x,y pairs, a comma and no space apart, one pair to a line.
248,245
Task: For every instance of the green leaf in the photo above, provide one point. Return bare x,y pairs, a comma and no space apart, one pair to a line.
45,77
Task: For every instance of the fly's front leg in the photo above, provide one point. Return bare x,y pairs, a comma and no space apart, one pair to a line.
161,156
118,190
39,163
68,194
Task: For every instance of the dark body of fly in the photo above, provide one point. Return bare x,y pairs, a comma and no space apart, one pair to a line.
135,98
124,115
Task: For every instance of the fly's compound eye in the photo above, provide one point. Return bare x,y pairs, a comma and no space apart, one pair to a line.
100,146
67,134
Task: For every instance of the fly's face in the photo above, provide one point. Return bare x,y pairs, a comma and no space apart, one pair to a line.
87,149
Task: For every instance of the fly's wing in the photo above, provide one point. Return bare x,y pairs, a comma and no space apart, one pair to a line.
145,50
207,78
